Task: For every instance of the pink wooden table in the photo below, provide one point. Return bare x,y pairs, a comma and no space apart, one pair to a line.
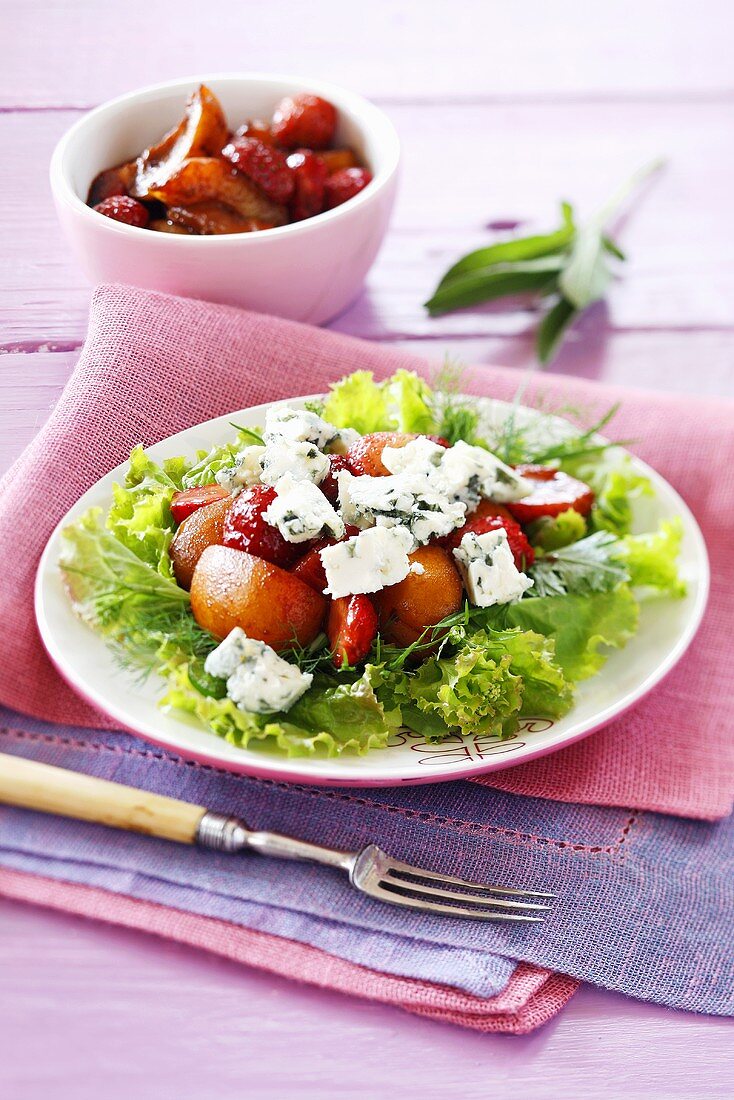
502,109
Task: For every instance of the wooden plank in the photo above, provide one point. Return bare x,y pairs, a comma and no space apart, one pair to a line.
408,50
681,268
115,1013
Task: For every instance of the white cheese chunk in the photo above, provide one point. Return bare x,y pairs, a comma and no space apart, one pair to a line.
258,680
401,500
368,562
301,512
469,472
304,426
488,568
303,461
420,455
246,471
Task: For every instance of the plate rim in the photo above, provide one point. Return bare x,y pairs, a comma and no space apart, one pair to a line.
286,769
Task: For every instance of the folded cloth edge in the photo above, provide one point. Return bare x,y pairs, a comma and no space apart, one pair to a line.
532,998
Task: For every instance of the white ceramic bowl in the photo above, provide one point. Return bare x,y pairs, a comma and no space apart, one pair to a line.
308,271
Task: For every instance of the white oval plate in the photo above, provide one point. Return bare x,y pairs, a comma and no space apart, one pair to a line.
82,658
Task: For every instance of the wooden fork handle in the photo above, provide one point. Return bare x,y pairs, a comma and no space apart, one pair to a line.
36,786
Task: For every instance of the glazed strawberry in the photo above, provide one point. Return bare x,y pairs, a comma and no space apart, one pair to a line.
190,500
254,128
345,184
554,492
309,173
351,629
263,164
310,568
329,486
522,551
304,119
121,208
245,528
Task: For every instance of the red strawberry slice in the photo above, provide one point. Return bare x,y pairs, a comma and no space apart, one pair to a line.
309,175
554,492
246,529
351,629
187,501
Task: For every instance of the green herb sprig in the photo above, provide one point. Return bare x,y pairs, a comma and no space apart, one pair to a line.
567,269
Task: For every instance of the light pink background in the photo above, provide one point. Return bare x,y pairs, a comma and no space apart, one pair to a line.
502,108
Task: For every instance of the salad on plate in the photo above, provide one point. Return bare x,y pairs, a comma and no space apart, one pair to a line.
387,557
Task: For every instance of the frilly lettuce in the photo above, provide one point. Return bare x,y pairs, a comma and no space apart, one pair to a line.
140,516
616,483
401,403
490,679
652,558
209,463
331,718
580,626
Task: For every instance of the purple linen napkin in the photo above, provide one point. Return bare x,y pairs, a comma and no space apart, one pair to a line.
645,901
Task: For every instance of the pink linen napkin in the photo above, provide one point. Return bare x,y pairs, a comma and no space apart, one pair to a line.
531,998
153,365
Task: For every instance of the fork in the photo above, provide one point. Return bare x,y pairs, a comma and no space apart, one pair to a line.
35,786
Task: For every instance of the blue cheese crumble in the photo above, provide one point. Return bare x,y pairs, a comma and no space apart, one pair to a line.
301,512
488,568
304,426
469,472
420,455
302,460
258,680
246,471
406,500
367,562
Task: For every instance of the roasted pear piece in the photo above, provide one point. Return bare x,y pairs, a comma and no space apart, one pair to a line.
160,225
421,599
231,588
202,132
209,179
213,218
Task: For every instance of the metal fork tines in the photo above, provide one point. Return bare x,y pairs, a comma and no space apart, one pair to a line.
380,876
390,880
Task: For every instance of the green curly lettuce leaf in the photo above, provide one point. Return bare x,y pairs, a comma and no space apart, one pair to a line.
134,605
616,484
330,719
486,682
470,692
652,558
140,517
582,627
403,402
209,463
411,402
359,402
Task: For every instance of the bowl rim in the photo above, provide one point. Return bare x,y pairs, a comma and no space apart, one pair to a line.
367,115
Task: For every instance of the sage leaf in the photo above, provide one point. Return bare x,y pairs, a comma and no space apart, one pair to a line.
524,248
553,328
495,282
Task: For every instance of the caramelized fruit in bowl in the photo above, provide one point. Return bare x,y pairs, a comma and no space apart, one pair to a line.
200,179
